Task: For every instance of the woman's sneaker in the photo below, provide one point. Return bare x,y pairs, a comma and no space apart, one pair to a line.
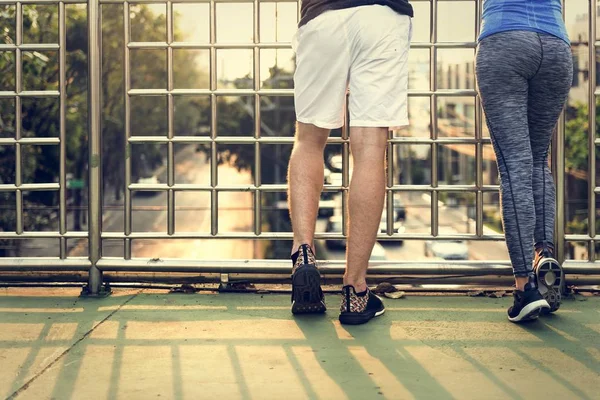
527,303
550,276
307,296
359,308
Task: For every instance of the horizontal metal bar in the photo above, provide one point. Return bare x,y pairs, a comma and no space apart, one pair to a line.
221,139
581,267
207,92
581,238
337,267
30,140
44,264
283,267
290,140
277,45
443,45
449,92
30,47
30,93
284,236
326,188
29,187
372,279
208,46
279,92
43,235
12,278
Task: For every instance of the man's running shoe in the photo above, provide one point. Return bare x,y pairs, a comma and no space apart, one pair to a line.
359,308
528,303
550,276
307,296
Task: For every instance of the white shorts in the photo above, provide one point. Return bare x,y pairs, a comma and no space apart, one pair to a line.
363,49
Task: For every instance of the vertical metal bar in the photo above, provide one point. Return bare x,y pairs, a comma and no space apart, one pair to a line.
127,87
257,192
257,122
558,170
345,167
62,179
558,167
592,133
18,117
95,146
170,122
214,175
390,182
478,137
433,116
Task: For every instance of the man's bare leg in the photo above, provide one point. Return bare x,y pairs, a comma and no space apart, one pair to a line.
305,181
366,198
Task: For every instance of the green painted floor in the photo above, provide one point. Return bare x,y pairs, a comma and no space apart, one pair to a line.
150,344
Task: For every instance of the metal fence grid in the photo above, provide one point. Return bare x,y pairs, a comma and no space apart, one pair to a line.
96,263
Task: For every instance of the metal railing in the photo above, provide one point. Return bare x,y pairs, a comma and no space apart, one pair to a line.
96,264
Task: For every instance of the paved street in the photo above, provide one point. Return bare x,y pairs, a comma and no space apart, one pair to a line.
192,215
418,221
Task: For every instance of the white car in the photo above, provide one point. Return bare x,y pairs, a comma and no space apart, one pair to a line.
150,180
447,249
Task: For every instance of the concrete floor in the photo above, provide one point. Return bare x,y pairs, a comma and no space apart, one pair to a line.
150,344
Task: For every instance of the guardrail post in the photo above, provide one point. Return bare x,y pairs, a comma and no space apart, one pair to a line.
94,287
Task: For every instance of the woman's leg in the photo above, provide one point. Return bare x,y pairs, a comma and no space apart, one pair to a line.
504,64
548,92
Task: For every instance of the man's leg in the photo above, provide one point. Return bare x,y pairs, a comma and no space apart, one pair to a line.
305,181
378,100
367,194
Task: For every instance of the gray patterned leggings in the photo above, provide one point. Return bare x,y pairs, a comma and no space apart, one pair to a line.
524,79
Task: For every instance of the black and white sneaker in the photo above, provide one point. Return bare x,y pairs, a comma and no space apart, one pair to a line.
359,308
550,276
528,303
307,296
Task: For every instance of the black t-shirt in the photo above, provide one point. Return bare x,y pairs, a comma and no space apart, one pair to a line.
312,8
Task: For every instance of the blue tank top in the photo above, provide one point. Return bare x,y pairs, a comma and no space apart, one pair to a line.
542,16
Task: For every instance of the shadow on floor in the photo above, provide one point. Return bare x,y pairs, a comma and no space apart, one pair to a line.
149,344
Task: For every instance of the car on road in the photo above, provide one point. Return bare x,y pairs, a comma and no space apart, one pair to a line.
447,249
326,208
334,225
399,209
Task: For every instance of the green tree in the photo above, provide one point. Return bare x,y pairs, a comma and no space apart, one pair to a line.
576,154
40,116
148,70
